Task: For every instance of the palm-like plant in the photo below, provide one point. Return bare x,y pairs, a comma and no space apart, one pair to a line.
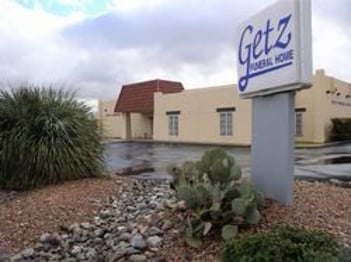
46,137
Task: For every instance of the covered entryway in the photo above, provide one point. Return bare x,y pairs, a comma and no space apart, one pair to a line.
136,103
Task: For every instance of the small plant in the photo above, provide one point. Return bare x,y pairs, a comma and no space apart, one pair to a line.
212,189
46,137
284,244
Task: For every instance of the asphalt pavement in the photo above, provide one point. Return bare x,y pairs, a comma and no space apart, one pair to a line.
321,163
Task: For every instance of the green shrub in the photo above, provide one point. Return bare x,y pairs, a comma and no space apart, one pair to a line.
46,137
340,130
212,189
284,244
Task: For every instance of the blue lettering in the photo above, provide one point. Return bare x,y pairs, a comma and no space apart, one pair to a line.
267,47
250,48
244,80
261,64
282,57
256,43
283,22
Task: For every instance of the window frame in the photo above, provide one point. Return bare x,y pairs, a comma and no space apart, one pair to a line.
226,122
299,121
173,123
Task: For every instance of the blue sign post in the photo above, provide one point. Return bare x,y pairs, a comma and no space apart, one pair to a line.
275,60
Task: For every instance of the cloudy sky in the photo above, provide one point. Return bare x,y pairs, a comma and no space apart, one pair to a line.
95,46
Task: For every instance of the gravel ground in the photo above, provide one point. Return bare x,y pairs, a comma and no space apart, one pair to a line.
6,196
25,216
316,205
134,220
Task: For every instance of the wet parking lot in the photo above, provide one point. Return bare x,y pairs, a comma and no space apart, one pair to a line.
310,163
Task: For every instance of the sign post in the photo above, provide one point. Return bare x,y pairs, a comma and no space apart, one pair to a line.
275,60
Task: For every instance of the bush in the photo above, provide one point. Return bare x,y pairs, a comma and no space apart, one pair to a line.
340,130
46,137
212,190
284,244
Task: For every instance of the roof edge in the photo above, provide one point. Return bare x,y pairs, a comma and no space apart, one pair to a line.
153,80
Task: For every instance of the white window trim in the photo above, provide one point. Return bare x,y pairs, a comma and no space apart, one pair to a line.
173,123
226,123
299,123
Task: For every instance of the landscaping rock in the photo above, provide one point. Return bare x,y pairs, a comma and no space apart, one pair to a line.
76,250
137,258
125,236
154,231
27,253
4,258
138,242
132,251
91,254
52,239
6,196
17,258
132,171
86,226
99,232
154,242
167,225
126,229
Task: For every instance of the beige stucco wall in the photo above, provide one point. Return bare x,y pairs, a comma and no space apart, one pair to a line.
114,125
141,125
338,100
313,119
324,101
199,121
111,123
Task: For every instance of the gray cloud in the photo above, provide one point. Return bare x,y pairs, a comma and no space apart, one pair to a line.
189,41
337,11
193,31
175,35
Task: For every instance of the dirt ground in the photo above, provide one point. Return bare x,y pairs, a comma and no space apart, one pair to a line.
25,216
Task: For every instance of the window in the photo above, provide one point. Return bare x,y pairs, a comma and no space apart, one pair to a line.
226,120
299,121
226,123
173,123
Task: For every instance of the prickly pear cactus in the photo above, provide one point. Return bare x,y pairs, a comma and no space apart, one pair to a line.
213,189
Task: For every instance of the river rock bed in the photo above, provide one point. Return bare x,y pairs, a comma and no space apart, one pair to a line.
130,228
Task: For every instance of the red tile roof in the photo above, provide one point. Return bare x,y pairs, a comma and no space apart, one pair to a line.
139,97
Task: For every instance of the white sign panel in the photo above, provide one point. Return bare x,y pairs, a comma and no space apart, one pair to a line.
275,50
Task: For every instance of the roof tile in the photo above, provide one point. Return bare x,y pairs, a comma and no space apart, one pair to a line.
139,97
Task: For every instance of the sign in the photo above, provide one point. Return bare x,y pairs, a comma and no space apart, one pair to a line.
275,57
275,50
